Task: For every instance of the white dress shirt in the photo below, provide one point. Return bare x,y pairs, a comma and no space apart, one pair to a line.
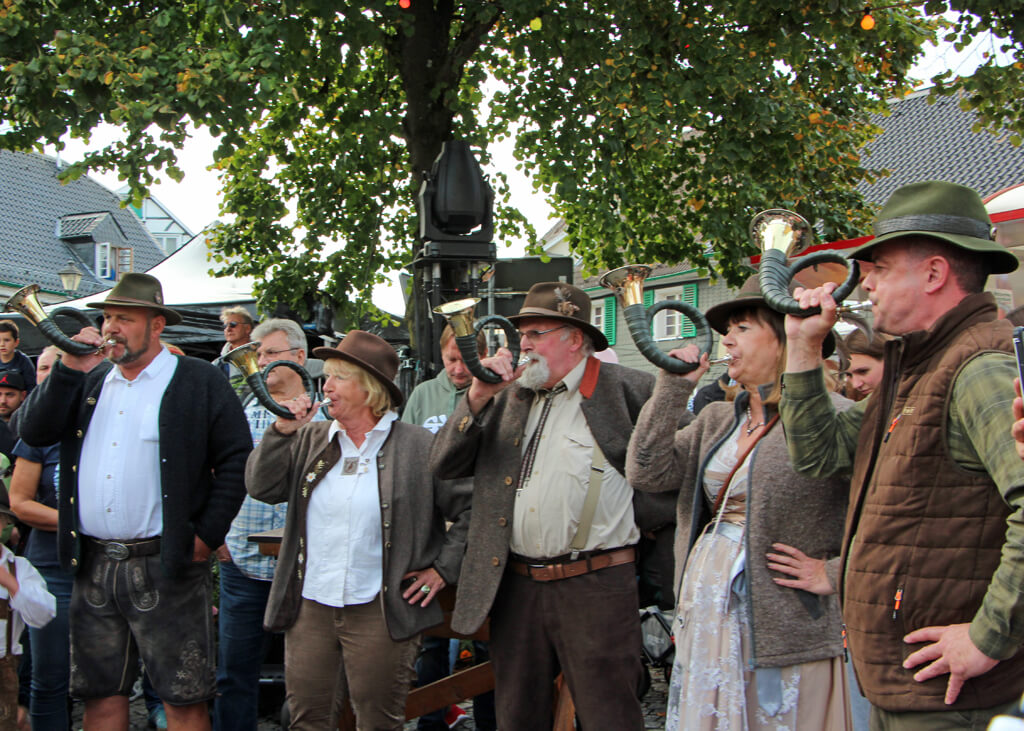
119,492
32,605
345,565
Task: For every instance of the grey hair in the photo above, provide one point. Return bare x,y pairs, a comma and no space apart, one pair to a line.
587,349
296,338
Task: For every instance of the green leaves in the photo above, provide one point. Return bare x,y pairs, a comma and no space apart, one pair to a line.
657,128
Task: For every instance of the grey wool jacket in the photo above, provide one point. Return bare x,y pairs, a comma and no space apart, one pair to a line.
488,447
788,626
413,507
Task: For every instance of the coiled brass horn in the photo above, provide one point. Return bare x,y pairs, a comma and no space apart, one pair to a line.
780,234
459,315
26,302
628,285
245,359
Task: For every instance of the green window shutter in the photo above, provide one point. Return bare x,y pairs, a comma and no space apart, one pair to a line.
610,319
648,301
689,330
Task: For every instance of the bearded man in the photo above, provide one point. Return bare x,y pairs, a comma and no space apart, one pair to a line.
552,537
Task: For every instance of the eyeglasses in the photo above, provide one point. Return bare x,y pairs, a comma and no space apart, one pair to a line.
537,334
228,325
274,352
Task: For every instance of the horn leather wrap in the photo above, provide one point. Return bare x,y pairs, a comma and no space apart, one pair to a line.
775,275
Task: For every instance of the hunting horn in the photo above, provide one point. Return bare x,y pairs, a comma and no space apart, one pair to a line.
245,359
628,285
781,234
459,315
26,302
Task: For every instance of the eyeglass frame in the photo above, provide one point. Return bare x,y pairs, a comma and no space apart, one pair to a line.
260,354
535,335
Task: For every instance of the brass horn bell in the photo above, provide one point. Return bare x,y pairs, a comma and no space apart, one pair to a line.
26,302
628,285
459,315
245,359
780,234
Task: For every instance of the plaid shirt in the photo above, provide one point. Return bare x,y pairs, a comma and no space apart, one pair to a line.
823,442
255,516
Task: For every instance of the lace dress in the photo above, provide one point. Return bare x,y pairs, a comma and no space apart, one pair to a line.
712,684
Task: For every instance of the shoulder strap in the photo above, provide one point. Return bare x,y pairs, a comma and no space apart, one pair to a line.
597,468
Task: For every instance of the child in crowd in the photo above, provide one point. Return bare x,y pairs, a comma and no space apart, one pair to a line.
12,359
23,600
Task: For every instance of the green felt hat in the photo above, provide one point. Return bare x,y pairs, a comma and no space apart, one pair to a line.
139,290
943,211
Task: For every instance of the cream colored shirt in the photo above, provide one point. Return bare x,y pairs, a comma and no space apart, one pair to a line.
548,506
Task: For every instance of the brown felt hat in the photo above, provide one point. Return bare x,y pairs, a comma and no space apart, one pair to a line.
750,296
371,353
561,301
139,290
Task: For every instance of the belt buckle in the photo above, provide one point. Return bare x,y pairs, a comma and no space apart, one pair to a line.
116,551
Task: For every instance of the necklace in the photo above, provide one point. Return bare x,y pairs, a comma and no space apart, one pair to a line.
750,428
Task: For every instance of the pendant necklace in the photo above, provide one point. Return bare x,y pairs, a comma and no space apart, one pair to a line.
749,429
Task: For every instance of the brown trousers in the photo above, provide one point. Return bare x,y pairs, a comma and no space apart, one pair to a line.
587,627
352,642
976,720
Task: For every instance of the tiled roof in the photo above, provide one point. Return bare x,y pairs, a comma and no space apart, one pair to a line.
70,227
35,208
922,141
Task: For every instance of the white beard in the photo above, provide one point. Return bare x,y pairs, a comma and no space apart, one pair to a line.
536,373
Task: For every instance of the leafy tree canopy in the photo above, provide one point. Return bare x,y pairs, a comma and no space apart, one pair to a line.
656,128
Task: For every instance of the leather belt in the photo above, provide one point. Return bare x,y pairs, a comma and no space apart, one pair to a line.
123,550
569,569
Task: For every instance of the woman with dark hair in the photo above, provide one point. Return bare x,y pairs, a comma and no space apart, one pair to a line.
34,500
750,653
365,550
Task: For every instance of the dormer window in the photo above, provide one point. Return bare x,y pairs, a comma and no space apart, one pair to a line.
113,261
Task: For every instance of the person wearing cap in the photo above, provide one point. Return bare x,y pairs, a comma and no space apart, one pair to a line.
12,394
751,651
365,550
933,555
541,444
153,450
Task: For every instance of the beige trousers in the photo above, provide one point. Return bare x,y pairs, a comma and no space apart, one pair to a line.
329,649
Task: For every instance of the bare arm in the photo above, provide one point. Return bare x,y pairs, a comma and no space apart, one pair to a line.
24,484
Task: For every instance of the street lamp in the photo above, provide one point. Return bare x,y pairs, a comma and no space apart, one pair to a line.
70,277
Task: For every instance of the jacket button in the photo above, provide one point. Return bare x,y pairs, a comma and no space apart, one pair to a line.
502,522
78,433
508,480
383,506
388,545
495,561
387,524
74,468
74,562
91,401
74,534
516,441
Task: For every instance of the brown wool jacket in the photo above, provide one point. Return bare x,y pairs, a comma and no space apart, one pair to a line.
488,448
788,626
413,509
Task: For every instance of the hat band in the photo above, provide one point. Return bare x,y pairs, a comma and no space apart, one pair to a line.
938,222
